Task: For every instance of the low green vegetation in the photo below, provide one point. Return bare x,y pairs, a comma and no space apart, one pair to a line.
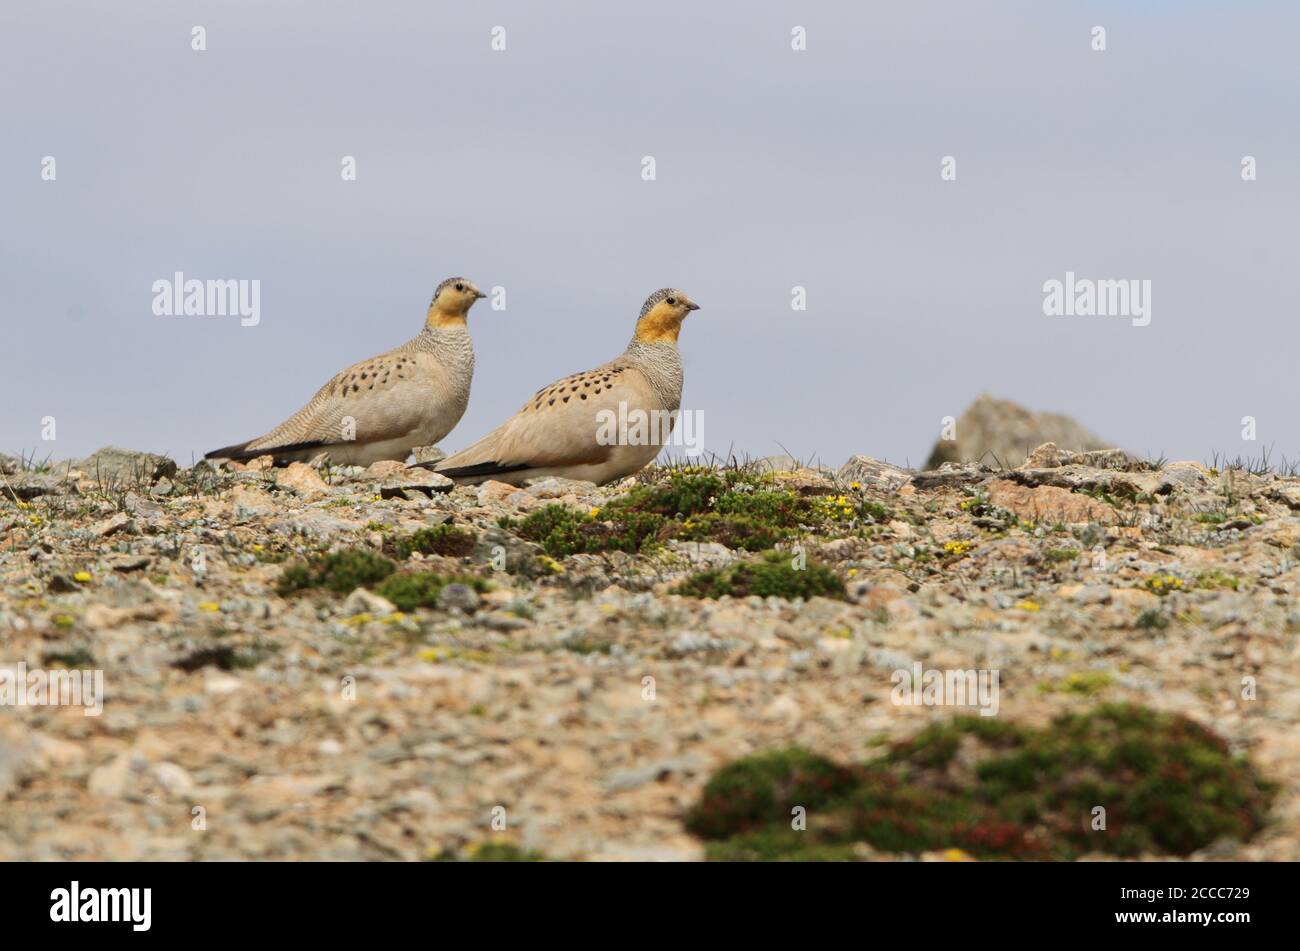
748,511
1217,579
344,571
1151,620
772,575
340,572
492,851
72,658
420,589
1167,785
1086,683
445,539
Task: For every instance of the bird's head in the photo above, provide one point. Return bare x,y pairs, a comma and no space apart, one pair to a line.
662,315
451,301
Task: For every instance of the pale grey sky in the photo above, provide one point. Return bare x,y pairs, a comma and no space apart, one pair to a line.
775,168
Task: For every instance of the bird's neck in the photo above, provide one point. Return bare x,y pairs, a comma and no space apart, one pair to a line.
450,346
661,364
658,328
439,318
439,339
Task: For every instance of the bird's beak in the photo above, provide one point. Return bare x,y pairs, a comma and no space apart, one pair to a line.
479,295
692,306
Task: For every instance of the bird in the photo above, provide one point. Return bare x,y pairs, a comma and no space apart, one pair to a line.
386,406
564,429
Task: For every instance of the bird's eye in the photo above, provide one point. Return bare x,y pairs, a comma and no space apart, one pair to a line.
460,287
672,300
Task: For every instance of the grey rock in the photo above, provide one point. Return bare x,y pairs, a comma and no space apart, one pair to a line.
622,780
429,454
555,488
1049,456
460,597
416,483
952,474
114,465
510,553
362,601
691,643
32,485
873,474
1003,433
704,554
121,522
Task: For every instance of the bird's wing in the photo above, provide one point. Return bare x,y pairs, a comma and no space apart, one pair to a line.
564,424
384,397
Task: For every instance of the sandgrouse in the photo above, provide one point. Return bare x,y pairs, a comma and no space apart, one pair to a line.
564,429
384,407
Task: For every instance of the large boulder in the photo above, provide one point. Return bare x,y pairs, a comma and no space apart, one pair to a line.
125,467
998,431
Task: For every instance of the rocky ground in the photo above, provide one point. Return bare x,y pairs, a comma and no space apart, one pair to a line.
524,684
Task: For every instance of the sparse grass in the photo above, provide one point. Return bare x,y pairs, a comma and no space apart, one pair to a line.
1168,786
1260,465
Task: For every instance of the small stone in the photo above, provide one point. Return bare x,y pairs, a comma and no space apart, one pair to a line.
458,596
362,601
127,563
783,707
303,479
416,483
219,684
119,522
384,469
172,778
429,454
492,491
115,778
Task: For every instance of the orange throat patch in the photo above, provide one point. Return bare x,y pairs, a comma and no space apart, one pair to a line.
658,327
